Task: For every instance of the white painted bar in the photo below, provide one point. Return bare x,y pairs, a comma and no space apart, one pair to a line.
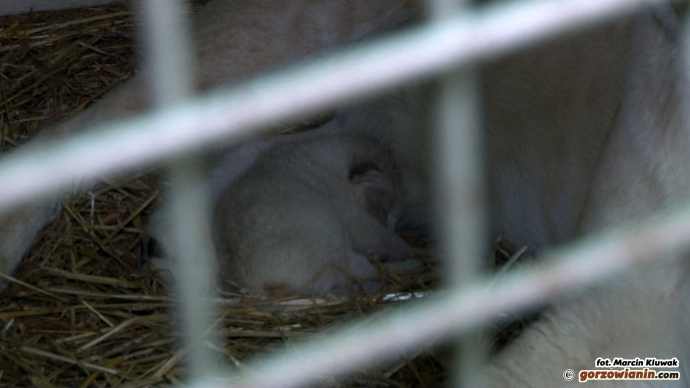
29,174
170,68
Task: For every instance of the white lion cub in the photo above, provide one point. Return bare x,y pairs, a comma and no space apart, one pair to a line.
306,213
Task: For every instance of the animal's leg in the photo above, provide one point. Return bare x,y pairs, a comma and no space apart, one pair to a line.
621,320
369,236
18,229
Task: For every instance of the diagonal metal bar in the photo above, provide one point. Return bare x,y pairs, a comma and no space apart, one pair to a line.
29,174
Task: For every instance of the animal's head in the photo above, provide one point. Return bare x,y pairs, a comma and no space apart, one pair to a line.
377,185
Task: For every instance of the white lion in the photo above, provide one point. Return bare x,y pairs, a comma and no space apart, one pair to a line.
585,132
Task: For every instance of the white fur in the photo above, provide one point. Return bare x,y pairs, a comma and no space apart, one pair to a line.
289,215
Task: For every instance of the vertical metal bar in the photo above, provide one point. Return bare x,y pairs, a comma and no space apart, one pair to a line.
461,200
170,71
460,209
460,187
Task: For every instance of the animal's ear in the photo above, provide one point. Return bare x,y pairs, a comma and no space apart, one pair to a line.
375,189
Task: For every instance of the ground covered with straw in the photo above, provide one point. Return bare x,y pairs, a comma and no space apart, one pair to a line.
81,312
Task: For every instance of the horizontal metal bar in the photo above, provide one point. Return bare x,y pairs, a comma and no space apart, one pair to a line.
363,343
29,174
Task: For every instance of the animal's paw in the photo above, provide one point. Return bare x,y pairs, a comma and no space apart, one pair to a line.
18,228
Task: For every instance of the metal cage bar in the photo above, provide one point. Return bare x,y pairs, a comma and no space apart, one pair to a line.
443,45
232,113
459,189
170,69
